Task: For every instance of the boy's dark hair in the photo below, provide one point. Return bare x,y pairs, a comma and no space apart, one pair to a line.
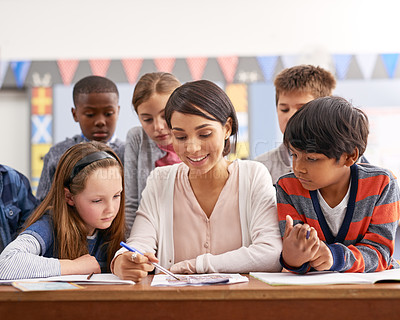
305,78
93,84
328,125
205,99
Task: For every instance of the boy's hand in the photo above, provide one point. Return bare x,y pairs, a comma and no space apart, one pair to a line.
297,249
323,259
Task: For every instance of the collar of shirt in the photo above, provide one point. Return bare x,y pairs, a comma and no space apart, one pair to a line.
113,138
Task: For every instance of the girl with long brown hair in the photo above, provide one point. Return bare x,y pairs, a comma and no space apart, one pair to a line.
79,225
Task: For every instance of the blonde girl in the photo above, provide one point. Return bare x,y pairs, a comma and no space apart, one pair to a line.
149,145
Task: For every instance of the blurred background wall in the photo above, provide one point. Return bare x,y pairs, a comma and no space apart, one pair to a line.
46,46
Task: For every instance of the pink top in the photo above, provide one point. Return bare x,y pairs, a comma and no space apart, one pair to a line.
196,234
170,158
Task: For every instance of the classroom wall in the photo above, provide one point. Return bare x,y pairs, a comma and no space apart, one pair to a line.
308,32
54,29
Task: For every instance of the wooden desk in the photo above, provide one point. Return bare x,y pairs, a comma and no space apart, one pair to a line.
253,300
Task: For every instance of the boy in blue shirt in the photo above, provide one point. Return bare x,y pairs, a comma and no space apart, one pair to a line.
96,110
16,203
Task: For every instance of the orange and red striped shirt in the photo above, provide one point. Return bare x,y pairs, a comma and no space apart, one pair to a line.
365,241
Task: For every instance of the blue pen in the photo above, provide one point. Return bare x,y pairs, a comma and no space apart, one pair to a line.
162,269
308,234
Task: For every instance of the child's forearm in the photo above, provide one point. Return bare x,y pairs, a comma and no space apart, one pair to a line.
21,260
85,264
304,268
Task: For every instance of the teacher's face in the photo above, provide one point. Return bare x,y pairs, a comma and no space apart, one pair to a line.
198,141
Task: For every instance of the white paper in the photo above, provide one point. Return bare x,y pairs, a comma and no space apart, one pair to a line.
44,286
326,277
98,278
196,279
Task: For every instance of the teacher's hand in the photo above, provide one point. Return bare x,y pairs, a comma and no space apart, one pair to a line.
133,266
186,266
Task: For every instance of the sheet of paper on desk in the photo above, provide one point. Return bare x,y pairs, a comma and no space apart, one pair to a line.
326,277
44,286
162,280
100,278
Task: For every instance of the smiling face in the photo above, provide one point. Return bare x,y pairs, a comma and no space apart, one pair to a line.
151,116
288,104
199,142
97,114
99,202
317,171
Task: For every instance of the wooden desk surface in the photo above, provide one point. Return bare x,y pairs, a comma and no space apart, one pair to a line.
252,300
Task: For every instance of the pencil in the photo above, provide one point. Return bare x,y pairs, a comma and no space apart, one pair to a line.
90,275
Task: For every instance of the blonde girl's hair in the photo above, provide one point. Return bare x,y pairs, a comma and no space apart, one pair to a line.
70,231
151,83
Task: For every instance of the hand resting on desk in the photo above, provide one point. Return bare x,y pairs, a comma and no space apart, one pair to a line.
299,249
127,269
85,264
323,259
186,266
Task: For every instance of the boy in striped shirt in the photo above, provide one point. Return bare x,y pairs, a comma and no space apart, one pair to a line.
335,214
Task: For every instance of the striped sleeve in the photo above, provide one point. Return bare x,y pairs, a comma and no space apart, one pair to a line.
374,252
21,260
285,204
289,195
295,201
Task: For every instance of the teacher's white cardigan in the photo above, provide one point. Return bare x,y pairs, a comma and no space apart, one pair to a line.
152,230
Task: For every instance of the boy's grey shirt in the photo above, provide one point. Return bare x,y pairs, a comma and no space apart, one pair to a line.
52,157
277,161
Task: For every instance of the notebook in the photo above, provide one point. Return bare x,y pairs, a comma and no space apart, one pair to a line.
327,277
98,278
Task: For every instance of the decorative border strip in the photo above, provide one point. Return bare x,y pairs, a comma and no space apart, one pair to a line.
227,69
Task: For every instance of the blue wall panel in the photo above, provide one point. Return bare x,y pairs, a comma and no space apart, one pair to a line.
263,122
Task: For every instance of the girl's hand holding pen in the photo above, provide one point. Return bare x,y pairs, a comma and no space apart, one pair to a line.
131,266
